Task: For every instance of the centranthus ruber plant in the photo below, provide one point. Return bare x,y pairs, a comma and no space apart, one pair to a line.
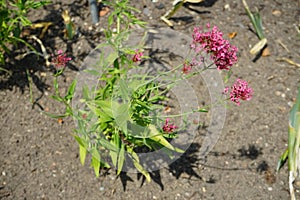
124,112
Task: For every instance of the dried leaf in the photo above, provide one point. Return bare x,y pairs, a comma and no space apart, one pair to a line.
283,45
259,46
288,61
232,35
277,13
104,11
266,52
193,1
41,25
167,109
44,25
65,15
60,120
168,22
25,32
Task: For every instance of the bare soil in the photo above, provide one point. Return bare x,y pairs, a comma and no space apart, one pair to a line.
39,157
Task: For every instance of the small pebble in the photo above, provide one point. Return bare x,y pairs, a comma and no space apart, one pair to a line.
146,12
227,7
266,144
277,93
101,188
270,188
290,104
160,6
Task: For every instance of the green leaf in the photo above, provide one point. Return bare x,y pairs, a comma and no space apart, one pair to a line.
56,116
258,25
110,20
93,72
115,140
80,141
292,149
55,84
86,93
25,21
121,158
70,31
104,112
294,135
136,163
282,160
82,154
156,136
111,58
107,145
57,98
96,161
124,90
295,109
203,110
71,90
114,157
121,115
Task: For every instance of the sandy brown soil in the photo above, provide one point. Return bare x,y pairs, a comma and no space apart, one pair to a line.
39,157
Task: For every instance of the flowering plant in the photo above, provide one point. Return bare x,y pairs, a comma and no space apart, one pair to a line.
123,114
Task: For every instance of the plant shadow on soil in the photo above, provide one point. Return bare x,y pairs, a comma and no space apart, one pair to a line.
186,163
189,161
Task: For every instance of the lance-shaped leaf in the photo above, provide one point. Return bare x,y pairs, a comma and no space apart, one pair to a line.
156,136
96,161
136,163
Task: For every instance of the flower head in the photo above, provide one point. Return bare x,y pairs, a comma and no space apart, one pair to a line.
212,42
137,56
187,67
169,128
60,60
239,91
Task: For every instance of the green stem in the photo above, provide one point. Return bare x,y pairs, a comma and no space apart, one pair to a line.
57,92
175,81
118,25
203,109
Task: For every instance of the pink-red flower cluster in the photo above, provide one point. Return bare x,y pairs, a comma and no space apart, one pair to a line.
188,66
212,42
239,91
137,56
60,60
169,128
